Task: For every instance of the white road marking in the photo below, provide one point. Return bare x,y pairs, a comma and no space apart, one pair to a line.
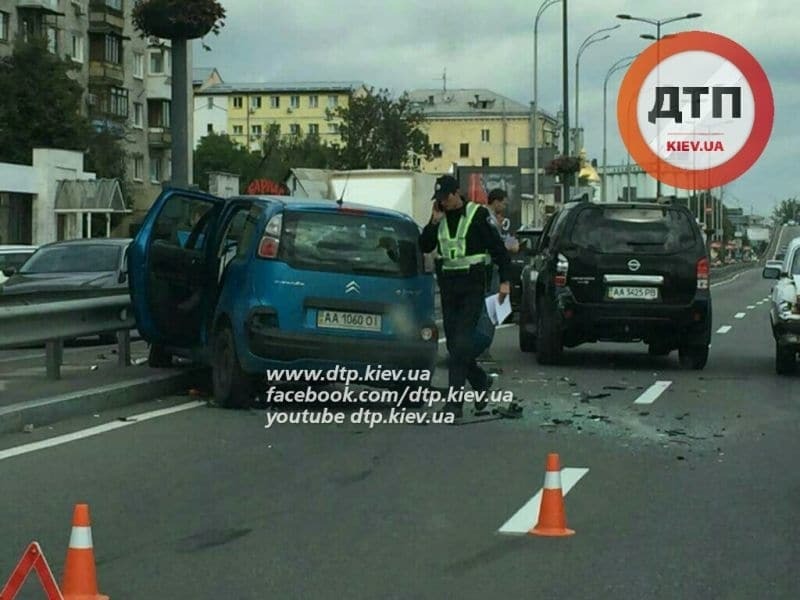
724,329
526,517
760,302
727,280
92,431
20,358
739,315
751,307
506,326
652,393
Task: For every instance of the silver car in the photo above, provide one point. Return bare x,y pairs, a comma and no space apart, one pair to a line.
785,308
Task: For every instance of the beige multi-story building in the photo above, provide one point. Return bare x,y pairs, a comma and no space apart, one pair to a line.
249,110
126,79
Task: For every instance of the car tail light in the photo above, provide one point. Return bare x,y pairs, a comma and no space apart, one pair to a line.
702,274
562,268
271,239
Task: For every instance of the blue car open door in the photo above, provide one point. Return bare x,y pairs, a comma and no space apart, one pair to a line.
171,266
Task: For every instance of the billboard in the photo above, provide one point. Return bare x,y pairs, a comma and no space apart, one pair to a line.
477,182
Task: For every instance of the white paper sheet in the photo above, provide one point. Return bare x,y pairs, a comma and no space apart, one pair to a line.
498,312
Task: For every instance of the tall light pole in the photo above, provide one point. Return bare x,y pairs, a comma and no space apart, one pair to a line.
565,81
586,43
622,63
658,23
535,133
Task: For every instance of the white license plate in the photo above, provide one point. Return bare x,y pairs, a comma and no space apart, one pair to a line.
335,319
632,293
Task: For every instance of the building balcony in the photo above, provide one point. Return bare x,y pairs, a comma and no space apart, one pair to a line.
159,137
47,6
104,19
104,73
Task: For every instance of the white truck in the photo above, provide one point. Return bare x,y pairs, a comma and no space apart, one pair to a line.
404,191
785,308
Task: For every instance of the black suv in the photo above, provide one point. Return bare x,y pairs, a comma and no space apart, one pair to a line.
618,273
528,238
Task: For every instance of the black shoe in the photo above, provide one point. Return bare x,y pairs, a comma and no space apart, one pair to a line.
481,405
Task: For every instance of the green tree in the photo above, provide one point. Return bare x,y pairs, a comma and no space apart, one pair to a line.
106,156
787,210
218,152
283,153
379,132
39,104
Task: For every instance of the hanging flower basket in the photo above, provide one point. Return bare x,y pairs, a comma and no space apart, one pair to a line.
178,19
563,166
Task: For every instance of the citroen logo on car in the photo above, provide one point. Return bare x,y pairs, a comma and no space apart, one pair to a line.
352,288
634,265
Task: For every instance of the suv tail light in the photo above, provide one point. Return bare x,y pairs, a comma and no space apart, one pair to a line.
562,268
271,239
702,274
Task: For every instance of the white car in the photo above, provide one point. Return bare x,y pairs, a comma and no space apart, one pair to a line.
12,258
784,312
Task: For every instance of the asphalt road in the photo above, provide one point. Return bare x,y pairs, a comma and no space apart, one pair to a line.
691,496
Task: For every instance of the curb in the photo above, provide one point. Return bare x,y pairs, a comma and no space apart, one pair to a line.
47,411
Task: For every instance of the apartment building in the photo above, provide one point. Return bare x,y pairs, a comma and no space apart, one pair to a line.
246,112
126,78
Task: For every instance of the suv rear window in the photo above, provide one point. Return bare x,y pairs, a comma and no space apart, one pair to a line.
350,243
624,230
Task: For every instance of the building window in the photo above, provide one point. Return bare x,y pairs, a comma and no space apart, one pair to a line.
138,65
294,129
333,101
155,169
437,151
77,48
275,101
138,115
113,49
484,135
210,103
52,40
294,101
238,102
210,128
255,102
5,19
484,162
238,130
313,129
138,168
158,113
333,128
313,101
157,63
118,102
255,130
464,151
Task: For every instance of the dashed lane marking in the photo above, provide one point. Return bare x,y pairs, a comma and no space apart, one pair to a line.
526,517
751,307
724,329
739,315
97,430
652,393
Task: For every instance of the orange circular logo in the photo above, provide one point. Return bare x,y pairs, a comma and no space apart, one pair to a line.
695,110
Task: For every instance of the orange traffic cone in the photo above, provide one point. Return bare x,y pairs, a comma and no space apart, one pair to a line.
552,517
80,578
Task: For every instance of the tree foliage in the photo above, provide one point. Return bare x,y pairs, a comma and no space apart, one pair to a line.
787,210
218,152
40,103
379,132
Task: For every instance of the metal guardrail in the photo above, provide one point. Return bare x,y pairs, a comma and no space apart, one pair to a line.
51,323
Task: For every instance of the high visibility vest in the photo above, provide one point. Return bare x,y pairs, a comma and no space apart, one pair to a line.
454,250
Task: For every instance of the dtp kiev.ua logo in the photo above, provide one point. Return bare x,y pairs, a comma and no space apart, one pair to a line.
695,110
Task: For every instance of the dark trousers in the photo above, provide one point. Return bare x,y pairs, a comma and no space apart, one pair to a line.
462,304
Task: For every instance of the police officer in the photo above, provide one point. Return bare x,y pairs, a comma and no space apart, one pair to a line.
468,243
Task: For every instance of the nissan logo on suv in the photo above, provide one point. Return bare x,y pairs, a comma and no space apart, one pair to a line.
634,265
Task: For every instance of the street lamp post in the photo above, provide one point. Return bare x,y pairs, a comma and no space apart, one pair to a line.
535,133
617,66
586,43
658,23
565,81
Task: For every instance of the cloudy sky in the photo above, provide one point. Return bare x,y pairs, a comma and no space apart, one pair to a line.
406,44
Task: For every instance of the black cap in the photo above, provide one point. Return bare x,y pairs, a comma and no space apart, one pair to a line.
445,185
497,194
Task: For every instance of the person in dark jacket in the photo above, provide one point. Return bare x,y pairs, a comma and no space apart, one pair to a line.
468,243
